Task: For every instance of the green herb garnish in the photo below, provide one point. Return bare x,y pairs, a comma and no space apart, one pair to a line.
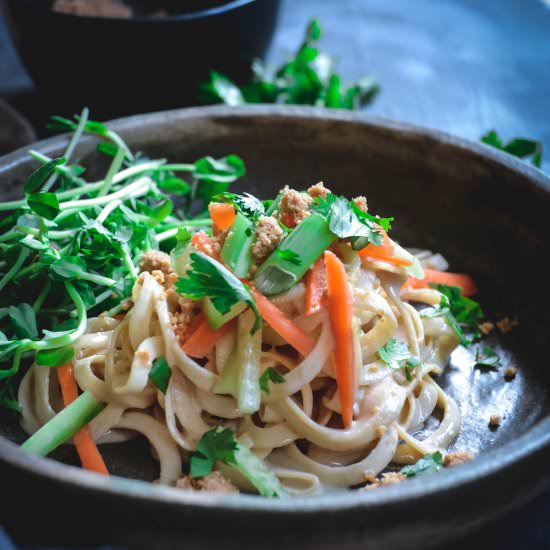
209,278
427,465
396,355
160,374
247,204
519,147
306,79
272,375
487,357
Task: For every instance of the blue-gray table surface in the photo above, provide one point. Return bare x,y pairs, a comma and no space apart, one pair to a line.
462,66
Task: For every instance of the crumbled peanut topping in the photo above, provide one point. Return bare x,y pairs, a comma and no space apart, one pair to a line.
318,190
506,325
214,482
486,328
268,234
510,373
361,203
457,458
494,421
293,207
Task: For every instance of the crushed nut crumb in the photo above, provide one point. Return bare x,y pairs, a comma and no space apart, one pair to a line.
510,373
506,325
293,207
486,328
494,421
388,478
361,203
268,234
213,482
318,190
155,260
457,458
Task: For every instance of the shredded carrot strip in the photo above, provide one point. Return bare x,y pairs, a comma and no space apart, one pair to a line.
86,448
340,310
204,338
316,286
282,325
223,215
384,252
462,280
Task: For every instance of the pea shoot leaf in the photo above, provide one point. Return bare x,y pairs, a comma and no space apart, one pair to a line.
40,175
207,277
23,319
272,375
430,463
44,204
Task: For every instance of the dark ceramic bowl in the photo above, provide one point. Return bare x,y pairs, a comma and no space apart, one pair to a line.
486,211
124,66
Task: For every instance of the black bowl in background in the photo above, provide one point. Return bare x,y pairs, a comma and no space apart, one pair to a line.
123,66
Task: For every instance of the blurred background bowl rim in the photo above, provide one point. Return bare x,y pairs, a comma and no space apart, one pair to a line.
503,459
226,7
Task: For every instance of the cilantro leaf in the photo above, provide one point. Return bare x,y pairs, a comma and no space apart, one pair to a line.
215,445
160,374
427,465
396,355
289,256
519,147
44,204
247,204
207,277
55,357
487,357
272,375
307,78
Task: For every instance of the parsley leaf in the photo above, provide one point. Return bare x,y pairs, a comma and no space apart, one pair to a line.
427,465
55,357
519,147
272,375
207,277
396,355
215,445
487,357
160,374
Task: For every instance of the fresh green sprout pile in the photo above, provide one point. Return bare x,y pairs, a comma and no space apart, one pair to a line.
70,249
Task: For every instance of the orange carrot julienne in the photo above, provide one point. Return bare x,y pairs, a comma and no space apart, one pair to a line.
223,215
316,286
383,252
462,280
340,313
86,447
204,338
298,338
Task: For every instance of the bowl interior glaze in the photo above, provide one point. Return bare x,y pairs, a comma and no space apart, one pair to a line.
485,211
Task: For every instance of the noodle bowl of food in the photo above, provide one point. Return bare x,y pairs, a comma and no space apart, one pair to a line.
264,326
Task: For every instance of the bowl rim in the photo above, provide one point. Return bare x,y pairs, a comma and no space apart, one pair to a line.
491,464
226,7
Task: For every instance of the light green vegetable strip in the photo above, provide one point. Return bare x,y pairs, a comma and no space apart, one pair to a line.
228,382
250,348
308,241
237,250
255,470
215,318
64,425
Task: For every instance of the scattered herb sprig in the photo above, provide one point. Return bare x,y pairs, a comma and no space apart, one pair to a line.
519,147
270,375
308,78
395,353
428,464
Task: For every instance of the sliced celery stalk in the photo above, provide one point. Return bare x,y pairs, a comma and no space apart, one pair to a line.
64,425
308,241
237,250
256,471
215,318
250,348
415,269
228,382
